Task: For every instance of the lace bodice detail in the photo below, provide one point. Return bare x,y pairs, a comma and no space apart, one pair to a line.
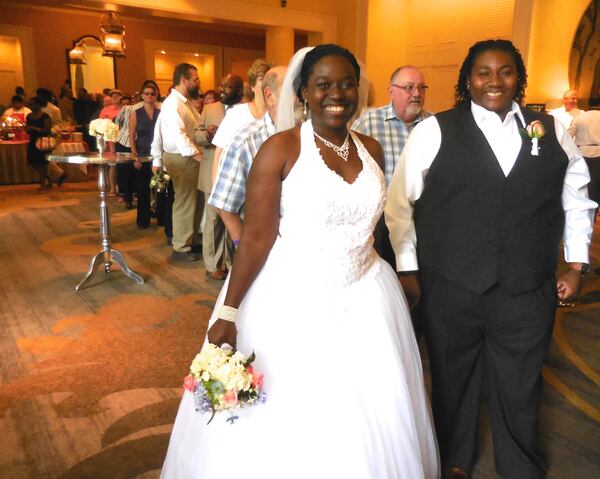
326,223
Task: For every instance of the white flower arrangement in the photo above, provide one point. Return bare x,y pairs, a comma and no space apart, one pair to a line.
102,127
223,380
159,180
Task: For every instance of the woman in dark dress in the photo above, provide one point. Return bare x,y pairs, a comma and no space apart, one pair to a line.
38,125
141,133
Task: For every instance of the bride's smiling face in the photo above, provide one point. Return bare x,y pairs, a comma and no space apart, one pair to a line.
331,92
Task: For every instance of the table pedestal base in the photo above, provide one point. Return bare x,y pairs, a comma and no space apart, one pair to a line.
107,257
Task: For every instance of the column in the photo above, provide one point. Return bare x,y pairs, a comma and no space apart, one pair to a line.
279,44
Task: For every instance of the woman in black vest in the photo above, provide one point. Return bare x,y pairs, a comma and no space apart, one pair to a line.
482,204
141,133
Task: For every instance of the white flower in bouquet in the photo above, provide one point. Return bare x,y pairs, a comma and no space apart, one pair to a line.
105,128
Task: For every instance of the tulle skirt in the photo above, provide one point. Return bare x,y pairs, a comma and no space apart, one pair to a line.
344,380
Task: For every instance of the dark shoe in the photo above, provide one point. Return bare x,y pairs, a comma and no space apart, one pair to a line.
219,275
455,473
185,257
196,248
128,205
61,179
170,241
143,227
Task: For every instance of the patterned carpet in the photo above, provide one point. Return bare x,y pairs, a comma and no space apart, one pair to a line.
91,380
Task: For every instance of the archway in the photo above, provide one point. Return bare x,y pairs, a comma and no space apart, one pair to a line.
584,61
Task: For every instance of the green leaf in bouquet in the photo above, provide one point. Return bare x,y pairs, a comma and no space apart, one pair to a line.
213,389
211,416
250,360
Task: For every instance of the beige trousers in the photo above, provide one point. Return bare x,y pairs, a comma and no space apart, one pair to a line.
217,248
184,174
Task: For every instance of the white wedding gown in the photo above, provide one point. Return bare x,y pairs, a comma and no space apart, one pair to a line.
333,337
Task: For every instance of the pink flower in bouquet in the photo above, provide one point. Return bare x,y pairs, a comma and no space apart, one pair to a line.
257,378
189,383
230,398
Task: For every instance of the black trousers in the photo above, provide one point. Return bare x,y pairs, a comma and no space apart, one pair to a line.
142,186
494,340
164,209
125,175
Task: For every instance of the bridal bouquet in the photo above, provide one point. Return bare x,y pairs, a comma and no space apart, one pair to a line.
159,180
223,380
104,128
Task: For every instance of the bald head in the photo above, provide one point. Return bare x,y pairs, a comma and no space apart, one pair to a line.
407,105
271,86
570,100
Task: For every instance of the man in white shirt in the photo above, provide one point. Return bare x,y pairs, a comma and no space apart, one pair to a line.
566,113
180,156
17,108
585,130
479,210
48,107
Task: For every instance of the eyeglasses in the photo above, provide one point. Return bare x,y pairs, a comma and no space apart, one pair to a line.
151,93
411,88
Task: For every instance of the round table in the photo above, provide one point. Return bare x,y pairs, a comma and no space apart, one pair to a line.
108,254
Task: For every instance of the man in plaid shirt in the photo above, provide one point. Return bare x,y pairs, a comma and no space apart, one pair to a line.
390,125
229,190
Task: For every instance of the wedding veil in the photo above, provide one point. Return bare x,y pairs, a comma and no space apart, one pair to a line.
287,94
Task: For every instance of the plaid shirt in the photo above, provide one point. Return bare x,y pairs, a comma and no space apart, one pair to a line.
391,133
229,189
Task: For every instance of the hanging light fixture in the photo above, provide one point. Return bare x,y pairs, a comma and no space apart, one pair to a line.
77,55
113,31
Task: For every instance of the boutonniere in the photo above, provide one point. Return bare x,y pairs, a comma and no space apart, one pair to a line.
536,131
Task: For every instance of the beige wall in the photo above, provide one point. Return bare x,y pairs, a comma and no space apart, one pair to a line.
11,68
553,29
439,33
434,36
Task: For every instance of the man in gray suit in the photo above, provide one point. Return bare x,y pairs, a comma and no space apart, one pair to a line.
216,246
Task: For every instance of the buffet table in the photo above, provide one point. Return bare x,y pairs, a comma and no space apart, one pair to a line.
15,170
13,164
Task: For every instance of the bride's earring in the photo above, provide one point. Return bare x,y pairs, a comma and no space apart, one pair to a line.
305,111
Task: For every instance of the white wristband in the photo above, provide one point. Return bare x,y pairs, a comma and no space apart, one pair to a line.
227,313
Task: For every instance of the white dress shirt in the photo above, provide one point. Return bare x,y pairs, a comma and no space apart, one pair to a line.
504,138
53,112
585,129
237,117
564,116
174,128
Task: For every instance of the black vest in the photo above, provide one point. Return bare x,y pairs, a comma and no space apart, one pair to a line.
477,227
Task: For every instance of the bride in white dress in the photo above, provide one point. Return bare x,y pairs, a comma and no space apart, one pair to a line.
325,315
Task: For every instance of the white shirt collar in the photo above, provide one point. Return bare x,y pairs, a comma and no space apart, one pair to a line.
483,115
179,95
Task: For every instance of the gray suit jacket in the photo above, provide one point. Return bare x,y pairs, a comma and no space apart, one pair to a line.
212,114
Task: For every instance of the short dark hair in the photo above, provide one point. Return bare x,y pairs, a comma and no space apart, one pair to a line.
44,94
182,70
462,96
20,91
151,84
37,100
321,51
17,99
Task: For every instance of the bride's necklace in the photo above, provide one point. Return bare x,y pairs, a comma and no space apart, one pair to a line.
341,151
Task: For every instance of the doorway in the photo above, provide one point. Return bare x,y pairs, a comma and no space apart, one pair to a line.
11,67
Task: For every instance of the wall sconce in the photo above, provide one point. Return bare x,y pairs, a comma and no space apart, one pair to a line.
77,55
113,31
